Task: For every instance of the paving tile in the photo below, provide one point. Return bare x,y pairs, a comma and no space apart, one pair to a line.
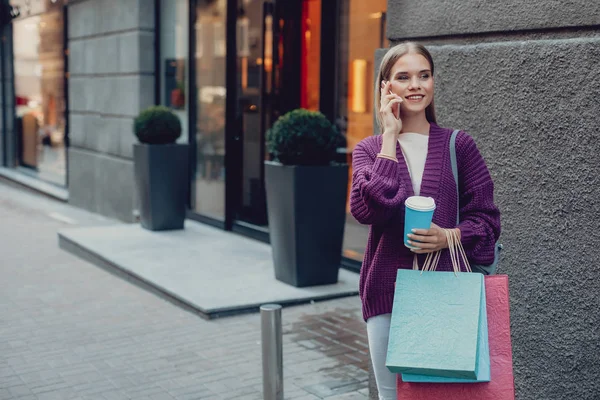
75,331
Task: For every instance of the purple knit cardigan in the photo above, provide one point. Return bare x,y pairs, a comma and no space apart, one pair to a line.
379,188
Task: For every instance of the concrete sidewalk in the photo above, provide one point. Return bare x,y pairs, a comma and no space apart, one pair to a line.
73,331
204,269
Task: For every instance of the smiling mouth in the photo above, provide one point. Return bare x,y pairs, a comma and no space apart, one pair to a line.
415,97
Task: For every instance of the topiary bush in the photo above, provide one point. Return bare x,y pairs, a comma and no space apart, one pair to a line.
157,125
303,137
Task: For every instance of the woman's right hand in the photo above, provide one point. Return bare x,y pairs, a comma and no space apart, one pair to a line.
390,110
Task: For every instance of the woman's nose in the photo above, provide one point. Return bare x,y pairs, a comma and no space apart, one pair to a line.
414,83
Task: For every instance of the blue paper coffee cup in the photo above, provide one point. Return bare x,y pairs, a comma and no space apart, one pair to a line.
419,213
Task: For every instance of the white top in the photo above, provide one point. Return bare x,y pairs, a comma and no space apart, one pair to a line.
414,148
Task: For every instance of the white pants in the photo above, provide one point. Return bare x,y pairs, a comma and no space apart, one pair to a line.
378,332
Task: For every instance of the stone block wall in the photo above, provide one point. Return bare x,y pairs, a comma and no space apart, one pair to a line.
111,79
522,78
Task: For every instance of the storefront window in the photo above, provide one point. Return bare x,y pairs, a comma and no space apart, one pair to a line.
174,16
210,63
362,31
39,79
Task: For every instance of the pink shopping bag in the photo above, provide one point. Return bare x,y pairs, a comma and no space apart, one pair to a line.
501,385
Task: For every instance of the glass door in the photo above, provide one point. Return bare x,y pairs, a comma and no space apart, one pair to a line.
210,94
254,61
278,53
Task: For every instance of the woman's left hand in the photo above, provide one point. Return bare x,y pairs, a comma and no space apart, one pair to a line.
428,240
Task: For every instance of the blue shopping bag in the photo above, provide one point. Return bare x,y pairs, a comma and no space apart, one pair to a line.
435,324
483,370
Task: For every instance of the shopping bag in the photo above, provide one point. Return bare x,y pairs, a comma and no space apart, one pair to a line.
483,354
434,326
501,384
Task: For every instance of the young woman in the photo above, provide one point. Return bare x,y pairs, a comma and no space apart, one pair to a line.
412,157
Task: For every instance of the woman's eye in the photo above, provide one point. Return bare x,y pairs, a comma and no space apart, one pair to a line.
402,77
425,76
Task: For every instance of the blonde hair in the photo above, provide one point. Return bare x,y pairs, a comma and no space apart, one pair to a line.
385,70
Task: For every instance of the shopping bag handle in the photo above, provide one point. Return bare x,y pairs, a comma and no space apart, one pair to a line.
456,250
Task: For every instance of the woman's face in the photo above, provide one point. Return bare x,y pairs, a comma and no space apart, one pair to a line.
412,80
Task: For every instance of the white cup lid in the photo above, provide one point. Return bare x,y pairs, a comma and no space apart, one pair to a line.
420,203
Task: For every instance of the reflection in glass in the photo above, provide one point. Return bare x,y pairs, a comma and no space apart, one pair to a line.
362,29
209,183
40,94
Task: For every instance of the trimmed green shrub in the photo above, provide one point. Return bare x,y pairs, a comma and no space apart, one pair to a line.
303,137
157,125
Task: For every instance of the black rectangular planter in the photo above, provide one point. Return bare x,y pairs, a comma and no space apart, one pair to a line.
161,176
307,211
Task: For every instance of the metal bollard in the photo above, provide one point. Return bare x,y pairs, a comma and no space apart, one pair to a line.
272,351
